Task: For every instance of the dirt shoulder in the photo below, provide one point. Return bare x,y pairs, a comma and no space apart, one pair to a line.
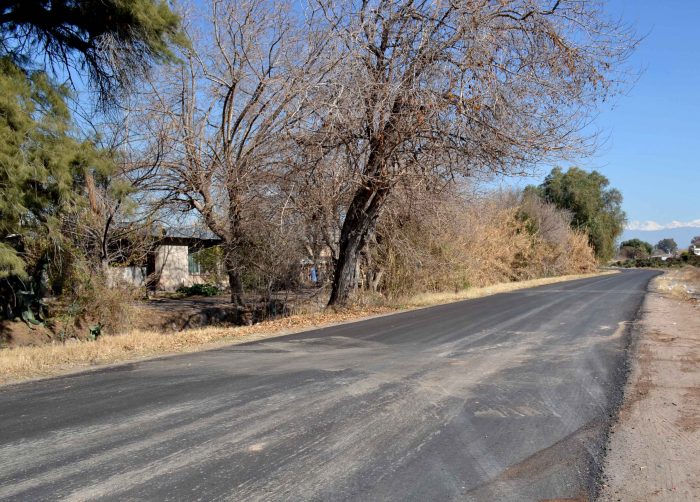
654,450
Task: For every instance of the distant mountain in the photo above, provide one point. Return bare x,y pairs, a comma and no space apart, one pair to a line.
682,235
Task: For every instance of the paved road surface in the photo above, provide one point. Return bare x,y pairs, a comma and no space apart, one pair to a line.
501,398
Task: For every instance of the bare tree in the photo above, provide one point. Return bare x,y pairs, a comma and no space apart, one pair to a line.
227,112
455,89
114,224
319,191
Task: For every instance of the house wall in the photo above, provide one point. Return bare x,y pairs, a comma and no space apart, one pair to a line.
172,268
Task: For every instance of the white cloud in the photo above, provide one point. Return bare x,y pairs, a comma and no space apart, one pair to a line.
644,225
652,225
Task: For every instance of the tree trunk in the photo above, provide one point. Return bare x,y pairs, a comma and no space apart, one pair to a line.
344,275
358,226
376,280
233,267
234,280
104,271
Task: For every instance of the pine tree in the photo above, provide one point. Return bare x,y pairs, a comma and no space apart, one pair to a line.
109,41
38,163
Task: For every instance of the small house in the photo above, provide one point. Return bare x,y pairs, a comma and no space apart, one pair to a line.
171,263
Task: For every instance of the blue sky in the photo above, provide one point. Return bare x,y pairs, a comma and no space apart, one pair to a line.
652,153
652,134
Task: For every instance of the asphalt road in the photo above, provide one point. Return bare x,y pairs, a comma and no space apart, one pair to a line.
501,398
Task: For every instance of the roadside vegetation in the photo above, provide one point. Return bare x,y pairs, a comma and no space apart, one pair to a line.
595,207
665,254
339,154
681,284
673,262
198,290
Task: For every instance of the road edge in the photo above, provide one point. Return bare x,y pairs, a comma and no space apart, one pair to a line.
653,453
73,368
619,391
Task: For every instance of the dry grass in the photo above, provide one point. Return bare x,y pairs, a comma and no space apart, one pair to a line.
456,244
681,284
23,363
427,299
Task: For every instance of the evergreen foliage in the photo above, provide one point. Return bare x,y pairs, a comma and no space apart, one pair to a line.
667,245
38,160
42,171
595,208
110,41
636,248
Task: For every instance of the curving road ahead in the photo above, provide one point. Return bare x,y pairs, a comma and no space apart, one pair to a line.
501,398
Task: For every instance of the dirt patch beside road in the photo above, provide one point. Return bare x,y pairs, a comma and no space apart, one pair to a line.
654,451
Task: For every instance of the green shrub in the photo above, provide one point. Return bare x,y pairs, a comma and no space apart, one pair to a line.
199,290
659,263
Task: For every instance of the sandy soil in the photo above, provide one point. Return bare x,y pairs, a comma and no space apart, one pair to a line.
654,450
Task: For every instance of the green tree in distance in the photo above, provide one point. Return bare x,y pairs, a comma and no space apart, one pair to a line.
595,207
667,245
109,41
636,248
